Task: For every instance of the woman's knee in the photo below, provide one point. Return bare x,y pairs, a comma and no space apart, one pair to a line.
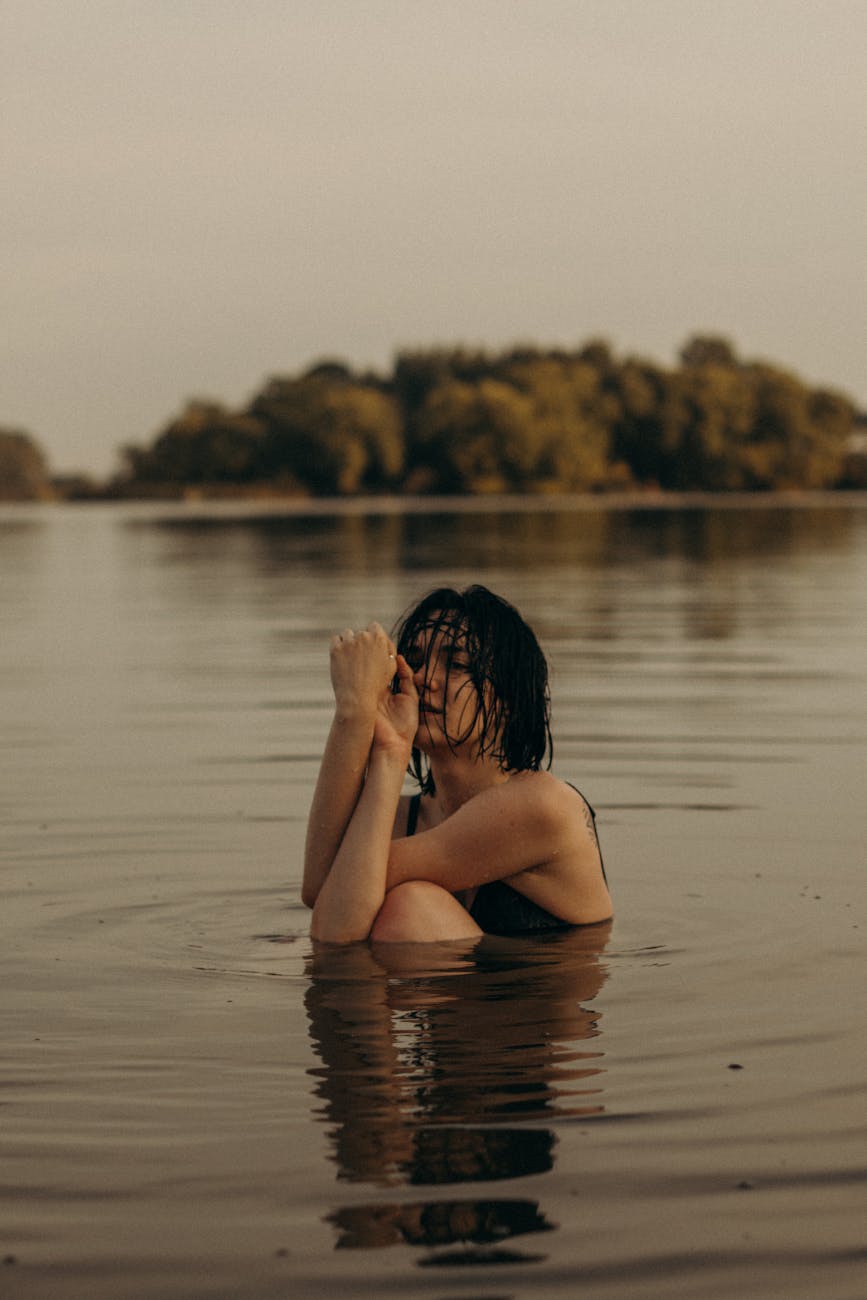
419,911
404,909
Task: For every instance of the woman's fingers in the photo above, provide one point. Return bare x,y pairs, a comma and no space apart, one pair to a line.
373,632
406,678
368,651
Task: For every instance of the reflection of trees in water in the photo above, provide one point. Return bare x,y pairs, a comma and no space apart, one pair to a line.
453,1072
592,575
24,548
521,539
727,535
268,542
438,1223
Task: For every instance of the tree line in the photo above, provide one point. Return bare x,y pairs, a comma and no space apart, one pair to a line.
459,420
523,420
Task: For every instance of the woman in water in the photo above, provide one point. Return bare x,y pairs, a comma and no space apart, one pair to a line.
491,843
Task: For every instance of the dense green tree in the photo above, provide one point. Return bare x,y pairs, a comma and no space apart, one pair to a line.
23,468
707,350
331,433
597,353
799,436
205,444
571,413
475,437
707,411
639,390
718,425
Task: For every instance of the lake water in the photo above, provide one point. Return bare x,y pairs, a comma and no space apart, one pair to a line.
194,1104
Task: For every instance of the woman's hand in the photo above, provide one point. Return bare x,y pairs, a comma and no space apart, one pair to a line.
397,715
362,669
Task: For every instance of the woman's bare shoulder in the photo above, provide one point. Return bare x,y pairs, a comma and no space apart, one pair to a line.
569,881
557,806
548,791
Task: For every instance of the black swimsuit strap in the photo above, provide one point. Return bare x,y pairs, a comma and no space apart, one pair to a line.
592,813
412,814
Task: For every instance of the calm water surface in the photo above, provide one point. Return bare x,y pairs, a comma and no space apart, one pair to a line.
194,1104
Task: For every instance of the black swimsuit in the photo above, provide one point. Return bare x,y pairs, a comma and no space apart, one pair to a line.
498,908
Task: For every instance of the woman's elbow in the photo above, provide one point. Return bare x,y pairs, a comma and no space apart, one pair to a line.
330,926
324,932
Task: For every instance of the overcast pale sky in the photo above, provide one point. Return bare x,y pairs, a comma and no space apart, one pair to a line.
198,194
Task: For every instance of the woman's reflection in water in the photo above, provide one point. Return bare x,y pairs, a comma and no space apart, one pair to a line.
447,1064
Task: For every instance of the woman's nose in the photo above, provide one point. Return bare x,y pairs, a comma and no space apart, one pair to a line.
424,678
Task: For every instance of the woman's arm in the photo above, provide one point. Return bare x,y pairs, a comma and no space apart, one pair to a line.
530,831
341,777
354,889
362,666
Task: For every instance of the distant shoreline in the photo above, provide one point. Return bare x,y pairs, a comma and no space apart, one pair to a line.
256,506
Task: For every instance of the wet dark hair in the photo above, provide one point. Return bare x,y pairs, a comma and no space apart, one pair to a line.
506,667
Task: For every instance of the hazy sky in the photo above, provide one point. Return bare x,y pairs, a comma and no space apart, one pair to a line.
198,194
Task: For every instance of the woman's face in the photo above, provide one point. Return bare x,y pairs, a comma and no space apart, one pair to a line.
450,711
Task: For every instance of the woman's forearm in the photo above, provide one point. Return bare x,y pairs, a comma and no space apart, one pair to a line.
354,889
341,777
362,667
